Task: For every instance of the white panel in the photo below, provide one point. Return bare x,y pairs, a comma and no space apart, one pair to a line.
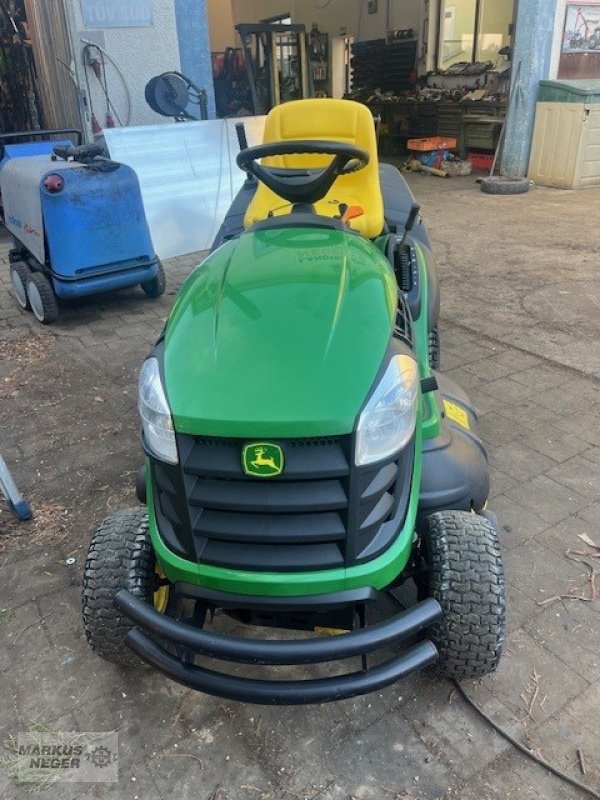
188,176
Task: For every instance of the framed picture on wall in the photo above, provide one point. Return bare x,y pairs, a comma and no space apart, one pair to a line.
582,29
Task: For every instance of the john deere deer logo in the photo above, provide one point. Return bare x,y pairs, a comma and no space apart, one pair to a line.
262,460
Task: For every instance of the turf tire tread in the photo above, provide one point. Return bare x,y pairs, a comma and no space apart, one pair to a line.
120,557
467,579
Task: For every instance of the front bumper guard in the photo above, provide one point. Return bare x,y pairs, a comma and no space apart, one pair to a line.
268,652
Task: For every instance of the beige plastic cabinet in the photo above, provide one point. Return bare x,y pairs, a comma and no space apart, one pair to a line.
565,150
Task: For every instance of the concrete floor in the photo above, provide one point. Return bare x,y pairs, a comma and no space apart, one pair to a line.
520,328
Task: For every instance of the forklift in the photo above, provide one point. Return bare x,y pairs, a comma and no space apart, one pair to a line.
277,64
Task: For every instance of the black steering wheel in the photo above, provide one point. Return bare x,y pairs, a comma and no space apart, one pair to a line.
305,188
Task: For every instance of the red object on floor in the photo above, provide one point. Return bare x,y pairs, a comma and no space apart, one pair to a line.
481,160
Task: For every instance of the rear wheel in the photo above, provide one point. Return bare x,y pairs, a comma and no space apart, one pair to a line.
41,298
19,273
120,557
156,287
466,577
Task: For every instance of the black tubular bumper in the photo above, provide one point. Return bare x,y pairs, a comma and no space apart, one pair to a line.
268,652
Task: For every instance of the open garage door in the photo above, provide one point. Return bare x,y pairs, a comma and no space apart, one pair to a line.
37,89
20,105
47,23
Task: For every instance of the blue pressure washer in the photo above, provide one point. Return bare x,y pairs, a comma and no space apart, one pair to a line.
78,224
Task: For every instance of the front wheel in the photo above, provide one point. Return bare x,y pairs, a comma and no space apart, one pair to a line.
156,287
466,577
41,298
120,557
19,273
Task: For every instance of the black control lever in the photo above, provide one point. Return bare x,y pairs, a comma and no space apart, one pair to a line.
402,258
240,129
410,221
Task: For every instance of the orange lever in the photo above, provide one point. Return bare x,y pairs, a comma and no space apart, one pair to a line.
352,213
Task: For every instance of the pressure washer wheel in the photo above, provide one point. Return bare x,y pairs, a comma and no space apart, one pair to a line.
156,287
466,577
120,557
41,298
19,272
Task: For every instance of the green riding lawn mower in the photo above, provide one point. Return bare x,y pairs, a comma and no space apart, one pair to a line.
307,467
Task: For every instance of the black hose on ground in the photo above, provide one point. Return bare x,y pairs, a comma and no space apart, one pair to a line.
525,750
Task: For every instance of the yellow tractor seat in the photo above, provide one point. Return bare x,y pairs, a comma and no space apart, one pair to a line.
324,120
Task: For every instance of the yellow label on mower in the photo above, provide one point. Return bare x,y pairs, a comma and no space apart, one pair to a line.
457,414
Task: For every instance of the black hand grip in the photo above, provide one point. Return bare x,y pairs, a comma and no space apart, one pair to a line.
240,129
88,151
63,151
412,217
83,153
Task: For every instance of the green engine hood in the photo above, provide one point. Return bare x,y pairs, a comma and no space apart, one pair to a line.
279,333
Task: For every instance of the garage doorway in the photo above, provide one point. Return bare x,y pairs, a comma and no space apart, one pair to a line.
37,89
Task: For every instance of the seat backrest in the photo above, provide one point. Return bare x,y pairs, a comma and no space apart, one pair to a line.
331,120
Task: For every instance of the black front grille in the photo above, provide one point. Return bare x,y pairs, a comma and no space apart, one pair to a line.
321,512
293,521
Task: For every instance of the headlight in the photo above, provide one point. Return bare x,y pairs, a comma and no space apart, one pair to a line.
388,421
159,433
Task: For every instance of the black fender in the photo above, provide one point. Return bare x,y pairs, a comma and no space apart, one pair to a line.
397,202
455,472
433,288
